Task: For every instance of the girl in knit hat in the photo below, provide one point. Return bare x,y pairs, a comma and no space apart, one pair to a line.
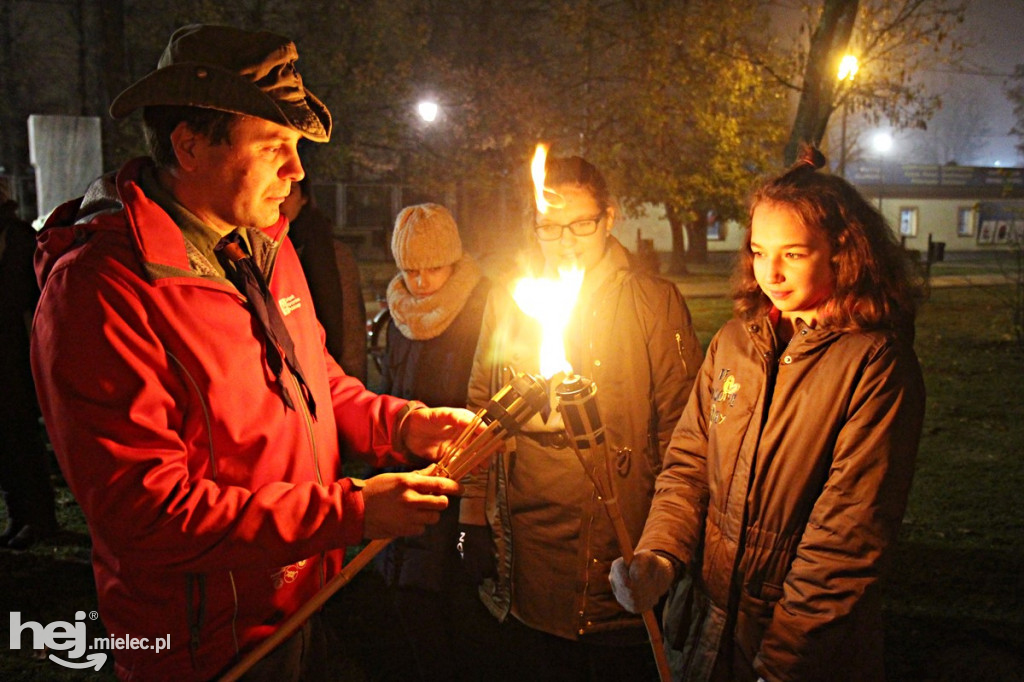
436,302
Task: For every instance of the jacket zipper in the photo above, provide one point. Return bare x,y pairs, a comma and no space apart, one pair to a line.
679,349
195,614
206,412
308,421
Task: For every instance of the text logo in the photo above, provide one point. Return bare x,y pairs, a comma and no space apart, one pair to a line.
289,303
58,636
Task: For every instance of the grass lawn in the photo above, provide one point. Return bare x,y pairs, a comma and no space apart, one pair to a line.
956,595
955,601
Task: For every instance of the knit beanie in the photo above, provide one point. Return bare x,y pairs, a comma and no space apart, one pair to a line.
425,236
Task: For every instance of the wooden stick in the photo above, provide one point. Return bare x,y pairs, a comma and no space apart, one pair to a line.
306,611
484,445
650,620
611,505
626,545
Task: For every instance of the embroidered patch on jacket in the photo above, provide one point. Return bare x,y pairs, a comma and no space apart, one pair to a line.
283,576
726,393
289,303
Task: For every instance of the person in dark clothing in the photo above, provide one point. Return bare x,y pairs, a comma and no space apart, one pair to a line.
24,470
333,277
436,303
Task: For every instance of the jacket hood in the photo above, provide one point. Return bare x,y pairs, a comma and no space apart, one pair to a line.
72,223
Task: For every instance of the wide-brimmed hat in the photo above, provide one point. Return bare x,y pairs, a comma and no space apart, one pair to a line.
243,72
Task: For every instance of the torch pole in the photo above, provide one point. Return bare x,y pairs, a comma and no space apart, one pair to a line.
306,611
626,547
505,414
577,401
611,505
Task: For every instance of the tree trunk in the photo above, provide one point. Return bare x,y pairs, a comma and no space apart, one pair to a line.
697,234
677,263
828,43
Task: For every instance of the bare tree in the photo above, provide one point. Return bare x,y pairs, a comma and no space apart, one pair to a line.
1015,92
828,43
957,131
893,42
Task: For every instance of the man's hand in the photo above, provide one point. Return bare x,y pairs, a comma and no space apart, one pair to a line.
404,504
639,587
426,429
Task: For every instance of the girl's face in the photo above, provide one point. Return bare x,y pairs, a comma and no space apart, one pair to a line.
426,281
580,214
791,262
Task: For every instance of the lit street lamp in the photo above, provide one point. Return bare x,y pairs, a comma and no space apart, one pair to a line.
883,145
428,110
847,70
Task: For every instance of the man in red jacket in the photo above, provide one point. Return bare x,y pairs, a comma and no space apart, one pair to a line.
184,382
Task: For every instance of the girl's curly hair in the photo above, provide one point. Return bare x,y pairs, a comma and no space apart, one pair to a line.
877,286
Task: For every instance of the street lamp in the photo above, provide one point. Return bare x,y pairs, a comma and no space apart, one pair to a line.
883,145
847,70
428,110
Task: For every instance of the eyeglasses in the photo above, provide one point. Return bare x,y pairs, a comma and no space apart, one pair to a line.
579,228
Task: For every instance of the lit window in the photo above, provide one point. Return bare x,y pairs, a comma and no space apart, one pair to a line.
965,220
908,222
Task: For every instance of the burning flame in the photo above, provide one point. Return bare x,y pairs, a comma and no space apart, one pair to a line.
543,195
550,301
537,171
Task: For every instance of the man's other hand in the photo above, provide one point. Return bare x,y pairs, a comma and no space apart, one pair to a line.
425,430
404,504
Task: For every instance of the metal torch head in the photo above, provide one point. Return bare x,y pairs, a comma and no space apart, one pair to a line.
577,401
521,398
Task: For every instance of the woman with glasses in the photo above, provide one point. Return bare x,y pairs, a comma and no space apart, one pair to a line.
533,532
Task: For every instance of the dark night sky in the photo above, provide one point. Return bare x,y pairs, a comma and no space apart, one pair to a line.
996,29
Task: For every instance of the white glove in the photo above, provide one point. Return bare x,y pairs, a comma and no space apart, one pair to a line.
639,587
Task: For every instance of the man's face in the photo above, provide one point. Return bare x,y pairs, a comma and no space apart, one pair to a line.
242,183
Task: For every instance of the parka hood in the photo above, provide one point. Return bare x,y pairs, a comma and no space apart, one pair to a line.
71,224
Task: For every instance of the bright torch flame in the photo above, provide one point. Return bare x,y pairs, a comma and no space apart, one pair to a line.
537,171
549,301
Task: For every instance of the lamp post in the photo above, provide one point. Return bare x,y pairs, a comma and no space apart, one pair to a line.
882,144
847,70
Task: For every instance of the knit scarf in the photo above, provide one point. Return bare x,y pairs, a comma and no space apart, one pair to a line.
428,317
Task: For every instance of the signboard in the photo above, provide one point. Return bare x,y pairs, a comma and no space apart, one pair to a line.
868,173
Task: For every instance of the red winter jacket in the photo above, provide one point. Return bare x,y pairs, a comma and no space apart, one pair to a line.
215,510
